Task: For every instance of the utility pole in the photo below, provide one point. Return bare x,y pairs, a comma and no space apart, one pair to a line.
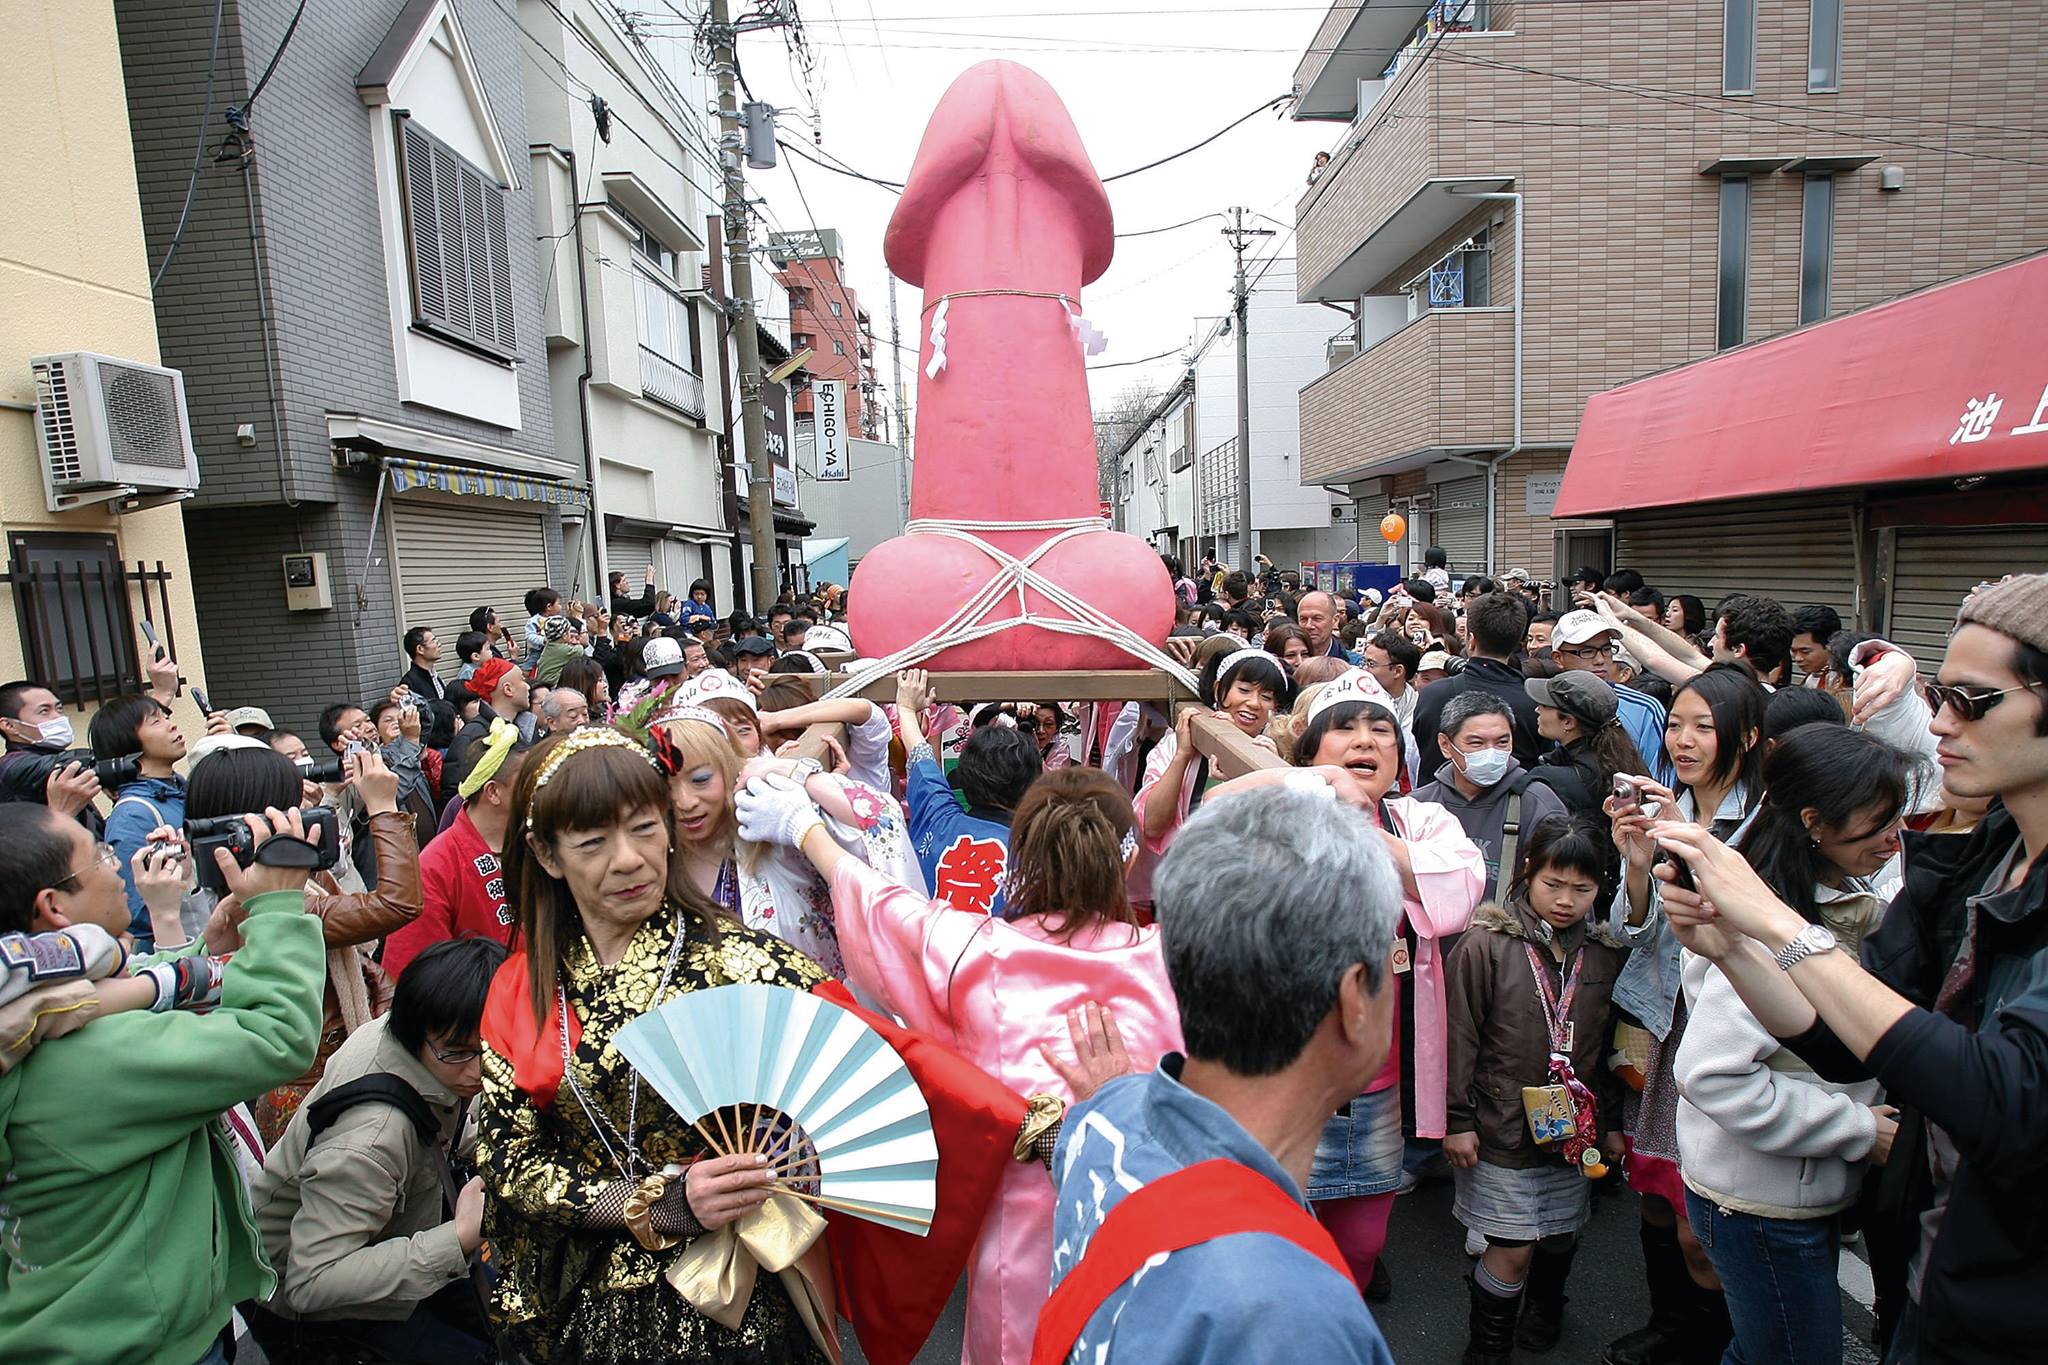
739,257
1237,232
902,423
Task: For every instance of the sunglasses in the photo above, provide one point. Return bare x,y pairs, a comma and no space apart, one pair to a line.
1970,705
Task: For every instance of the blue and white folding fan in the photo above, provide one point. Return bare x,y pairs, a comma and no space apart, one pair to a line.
769,1048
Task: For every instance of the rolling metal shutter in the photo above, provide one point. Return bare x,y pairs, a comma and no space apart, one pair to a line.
457,556
1798,550
629,556
1933,570
1372,510
1461,524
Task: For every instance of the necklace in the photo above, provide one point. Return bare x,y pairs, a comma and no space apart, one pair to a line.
631,1163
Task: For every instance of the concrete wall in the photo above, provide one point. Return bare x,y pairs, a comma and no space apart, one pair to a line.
867,509
1286,354
74,276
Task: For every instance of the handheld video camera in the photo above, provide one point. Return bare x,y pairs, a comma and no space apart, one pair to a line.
232,833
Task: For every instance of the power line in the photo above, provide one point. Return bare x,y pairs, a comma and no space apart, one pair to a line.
1150,232
893,186
234,115
1273,103
1142,360
198,152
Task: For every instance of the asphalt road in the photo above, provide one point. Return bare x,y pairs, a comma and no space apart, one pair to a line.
1424,1321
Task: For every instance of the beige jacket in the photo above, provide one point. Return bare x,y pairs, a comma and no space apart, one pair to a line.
357,1226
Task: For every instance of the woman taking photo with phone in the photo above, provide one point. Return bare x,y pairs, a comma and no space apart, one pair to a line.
1714,734
1772,1154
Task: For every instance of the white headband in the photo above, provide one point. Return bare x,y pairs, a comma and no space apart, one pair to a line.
1353,684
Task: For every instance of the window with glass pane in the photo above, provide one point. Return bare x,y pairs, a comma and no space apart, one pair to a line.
1824,47
1738,47
1734,272
1816,247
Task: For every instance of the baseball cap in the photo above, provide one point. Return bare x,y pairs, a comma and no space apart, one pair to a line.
238,716
1435,661
488,675
1516,576
1577,627
756,645
1576,693
713,684
661,657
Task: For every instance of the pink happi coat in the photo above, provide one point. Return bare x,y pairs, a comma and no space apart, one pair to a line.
993,990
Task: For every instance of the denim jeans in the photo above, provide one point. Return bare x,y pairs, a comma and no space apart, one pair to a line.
1784,1297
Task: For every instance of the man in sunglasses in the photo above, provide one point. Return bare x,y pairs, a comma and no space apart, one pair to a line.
370,1232
1949,1009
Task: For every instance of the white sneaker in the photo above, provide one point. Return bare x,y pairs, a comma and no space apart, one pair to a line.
1475,1243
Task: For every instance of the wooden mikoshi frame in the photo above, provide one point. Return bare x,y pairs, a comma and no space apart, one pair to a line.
1230,752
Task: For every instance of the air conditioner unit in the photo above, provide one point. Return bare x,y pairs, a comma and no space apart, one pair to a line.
112,430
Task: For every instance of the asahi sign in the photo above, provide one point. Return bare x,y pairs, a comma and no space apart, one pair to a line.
829,398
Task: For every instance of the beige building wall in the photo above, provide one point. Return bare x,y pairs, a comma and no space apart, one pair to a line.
74,277
1622,229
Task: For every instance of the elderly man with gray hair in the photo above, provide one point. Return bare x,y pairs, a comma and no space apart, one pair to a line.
562,709
1277,909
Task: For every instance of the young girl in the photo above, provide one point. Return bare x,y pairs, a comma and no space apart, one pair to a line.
1529,991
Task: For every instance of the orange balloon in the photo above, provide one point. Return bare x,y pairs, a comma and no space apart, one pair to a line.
1393,526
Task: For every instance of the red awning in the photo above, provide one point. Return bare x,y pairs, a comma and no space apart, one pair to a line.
1948,382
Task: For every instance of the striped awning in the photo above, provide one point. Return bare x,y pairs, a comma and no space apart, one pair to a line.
407,475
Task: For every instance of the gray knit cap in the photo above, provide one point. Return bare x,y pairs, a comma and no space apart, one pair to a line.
2016,606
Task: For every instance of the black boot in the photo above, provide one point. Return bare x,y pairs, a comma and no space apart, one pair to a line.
1671,1304
1708,1331
1492,1332
1543,1298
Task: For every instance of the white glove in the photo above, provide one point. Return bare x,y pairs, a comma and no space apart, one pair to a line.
774,810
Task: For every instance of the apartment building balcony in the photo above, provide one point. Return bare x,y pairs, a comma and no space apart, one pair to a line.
1396,183
668,383
1442,385
1356,42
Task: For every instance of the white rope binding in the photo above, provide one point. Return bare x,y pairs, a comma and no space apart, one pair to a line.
1013,575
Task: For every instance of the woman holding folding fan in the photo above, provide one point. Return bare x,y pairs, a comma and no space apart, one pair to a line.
1007,992
596,1185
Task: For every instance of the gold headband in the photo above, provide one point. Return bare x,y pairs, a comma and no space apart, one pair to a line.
582,738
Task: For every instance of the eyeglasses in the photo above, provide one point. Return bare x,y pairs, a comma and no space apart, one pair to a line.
102,855
461,1056
1970,705
1586,651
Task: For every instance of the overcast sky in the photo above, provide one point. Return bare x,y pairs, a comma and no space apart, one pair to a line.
1142,78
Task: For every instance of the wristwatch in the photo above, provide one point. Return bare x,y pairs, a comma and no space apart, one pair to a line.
1814,938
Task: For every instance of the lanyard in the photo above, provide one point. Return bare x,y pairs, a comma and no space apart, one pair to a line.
1556,1013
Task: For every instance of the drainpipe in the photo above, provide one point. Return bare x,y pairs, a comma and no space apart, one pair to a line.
1493,465
583,380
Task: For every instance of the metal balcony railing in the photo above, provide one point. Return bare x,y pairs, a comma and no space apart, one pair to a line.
669,383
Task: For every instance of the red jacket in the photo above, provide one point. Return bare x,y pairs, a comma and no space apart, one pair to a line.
464,890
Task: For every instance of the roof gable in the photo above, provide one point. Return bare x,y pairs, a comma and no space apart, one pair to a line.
428,34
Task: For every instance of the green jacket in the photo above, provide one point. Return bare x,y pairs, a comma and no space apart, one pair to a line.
126,1232
549,669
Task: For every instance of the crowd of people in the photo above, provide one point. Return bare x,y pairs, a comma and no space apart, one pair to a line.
1539,890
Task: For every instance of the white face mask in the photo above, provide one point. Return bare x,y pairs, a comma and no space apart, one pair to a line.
58,732
1487,766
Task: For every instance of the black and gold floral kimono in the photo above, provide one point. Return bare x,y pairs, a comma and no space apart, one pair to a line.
569,1294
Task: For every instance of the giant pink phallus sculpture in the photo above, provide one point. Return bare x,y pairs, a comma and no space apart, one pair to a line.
1002,221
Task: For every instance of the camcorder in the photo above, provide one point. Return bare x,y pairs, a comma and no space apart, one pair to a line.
232,833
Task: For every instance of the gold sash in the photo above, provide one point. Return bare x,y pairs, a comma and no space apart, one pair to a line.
785,1236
